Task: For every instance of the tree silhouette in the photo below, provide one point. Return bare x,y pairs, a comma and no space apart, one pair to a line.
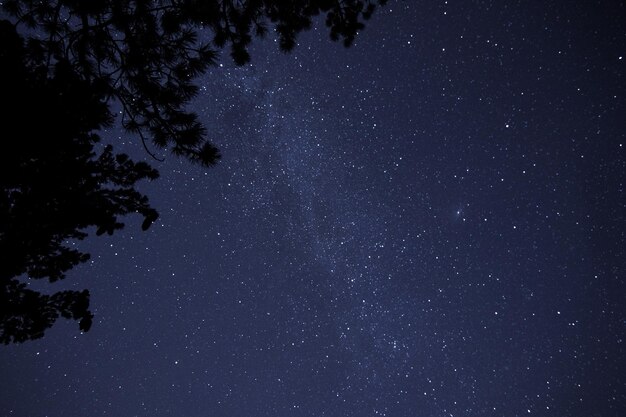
55,183
64,63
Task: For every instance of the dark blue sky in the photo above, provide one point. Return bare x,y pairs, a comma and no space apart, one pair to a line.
430,223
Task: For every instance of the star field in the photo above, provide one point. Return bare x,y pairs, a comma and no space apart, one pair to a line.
429,223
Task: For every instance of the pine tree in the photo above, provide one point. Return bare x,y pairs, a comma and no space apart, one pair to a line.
65,63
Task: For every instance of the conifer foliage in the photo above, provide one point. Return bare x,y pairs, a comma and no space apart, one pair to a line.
64,64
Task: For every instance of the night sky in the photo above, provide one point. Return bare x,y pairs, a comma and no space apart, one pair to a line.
429,223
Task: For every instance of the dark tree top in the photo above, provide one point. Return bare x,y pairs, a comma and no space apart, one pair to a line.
55,183
146,54
63,64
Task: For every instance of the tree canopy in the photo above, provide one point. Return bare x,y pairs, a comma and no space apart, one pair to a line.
64,63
